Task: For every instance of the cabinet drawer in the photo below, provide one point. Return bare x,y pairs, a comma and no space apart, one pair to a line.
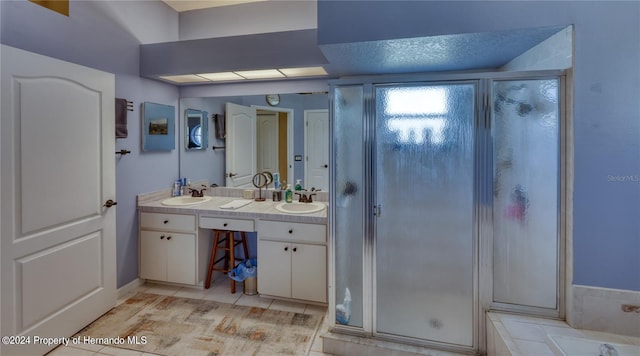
209,222
168,221
292,231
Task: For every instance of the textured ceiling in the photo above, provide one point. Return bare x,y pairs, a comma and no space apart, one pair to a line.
433,54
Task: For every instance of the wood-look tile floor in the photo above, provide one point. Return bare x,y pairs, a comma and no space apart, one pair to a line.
219,292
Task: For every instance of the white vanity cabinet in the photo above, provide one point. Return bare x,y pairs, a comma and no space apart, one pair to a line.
168,248
292,260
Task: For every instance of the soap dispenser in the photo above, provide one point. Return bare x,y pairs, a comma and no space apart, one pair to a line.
298,185
288,196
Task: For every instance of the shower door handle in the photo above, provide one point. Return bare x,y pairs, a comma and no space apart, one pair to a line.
377,210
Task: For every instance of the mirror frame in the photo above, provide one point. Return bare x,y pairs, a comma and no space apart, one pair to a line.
204,129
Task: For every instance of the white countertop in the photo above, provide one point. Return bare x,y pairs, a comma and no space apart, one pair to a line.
255,210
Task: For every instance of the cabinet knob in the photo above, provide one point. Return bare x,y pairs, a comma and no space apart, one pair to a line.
162,237
286,248
166,221
291,231
225,224
168,237
295,249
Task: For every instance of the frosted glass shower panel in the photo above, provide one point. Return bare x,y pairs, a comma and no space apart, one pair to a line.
349,199
424,185
526,184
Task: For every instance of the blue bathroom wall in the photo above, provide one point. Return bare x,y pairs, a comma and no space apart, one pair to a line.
606,197
106,36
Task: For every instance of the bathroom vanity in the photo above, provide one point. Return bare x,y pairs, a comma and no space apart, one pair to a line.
168,247
175,244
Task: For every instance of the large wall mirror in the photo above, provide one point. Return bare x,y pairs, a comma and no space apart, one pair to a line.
283,142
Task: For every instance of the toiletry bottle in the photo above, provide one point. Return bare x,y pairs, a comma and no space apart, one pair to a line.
289,194
186,188
276,180
298,184
176,189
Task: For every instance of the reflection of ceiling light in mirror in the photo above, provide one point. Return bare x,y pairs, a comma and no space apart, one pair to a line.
260,74
187,78
221,76
303,72
417,101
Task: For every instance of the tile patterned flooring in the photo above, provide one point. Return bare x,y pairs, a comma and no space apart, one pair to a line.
219,292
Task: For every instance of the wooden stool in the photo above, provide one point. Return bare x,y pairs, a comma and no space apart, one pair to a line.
226,237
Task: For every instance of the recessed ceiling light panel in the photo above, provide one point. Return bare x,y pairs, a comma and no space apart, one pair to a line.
221,76
303,72
187,78
260,74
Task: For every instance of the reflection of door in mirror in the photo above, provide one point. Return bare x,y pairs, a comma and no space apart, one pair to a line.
195,129
267,150
240,145
272,134
272,142
316,150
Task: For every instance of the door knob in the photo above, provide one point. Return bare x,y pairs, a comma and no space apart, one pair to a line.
109,203
326,166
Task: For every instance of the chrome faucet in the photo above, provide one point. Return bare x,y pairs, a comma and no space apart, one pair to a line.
608,350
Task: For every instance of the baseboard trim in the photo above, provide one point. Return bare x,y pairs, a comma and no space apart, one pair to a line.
129,287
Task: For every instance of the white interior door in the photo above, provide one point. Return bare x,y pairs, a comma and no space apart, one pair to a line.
316,138
57,170
268,142
240,145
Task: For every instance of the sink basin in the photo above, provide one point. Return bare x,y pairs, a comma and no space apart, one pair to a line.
186,200
300,208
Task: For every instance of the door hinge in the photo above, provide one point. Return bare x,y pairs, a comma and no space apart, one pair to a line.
377,210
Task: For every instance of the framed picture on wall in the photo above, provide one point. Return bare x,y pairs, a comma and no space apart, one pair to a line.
158,127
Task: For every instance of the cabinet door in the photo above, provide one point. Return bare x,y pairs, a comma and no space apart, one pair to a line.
309,272
181,258
274,268
153,255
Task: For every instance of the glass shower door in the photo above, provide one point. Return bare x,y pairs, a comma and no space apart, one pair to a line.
526,202
425,230
348,204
